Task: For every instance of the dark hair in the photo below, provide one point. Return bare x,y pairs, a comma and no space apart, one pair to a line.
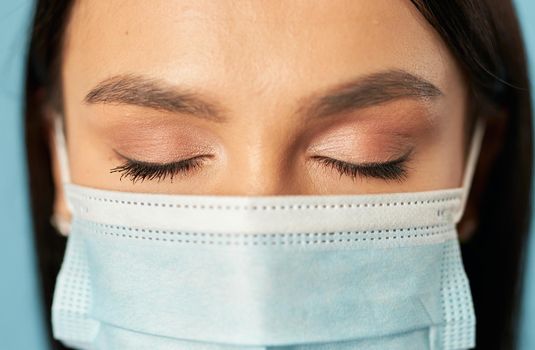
486,40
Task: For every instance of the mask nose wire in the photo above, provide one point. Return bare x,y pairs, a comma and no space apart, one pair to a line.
473,155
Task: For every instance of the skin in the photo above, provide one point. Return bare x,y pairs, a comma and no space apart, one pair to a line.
260,62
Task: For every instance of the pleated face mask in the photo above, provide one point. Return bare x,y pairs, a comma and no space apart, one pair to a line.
368,271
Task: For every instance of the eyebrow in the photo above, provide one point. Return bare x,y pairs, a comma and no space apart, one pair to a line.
370,90
153,93
373,89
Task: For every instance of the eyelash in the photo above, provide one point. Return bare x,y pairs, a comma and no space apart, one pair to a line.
395,169
140,171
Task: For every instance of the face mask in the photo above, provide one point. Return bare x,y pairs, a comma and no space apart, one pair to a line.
336,272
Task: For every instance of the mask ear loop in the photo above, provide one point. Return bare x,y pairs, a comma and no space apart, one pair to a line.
473,155
62,225
61,149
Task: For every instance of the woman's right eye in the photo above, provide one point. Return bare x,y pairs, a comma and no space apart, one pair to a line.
136,170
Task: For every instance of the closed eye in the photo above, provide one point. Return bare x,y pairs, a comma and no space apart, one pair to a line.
137,170
396,169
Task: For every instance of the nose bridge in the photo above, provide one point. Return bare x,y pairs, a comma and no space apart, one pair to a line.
263,142
263,160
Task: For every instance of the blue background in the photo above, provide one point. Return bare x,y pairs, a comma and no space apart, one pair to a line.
21,320
526,12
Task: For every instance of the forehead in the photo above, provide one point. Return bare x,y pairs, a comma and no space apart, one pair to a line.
262,47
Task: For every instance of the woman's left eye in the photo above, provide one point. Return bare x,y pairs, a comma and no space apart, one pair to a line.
391,170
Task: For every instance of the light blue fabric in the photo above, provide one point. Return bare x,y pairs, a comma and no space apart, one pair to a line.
368,271
526,11
21,321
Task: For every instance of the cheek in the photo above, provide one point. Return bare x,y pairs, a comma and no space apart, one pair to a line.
440,162
438,166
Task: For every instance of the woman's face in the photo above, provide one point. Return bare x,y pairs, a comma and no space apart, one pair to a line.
266,97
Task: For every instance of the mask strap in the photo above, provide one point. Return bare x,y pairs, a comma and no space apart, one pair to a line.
62,225
61,149
473,155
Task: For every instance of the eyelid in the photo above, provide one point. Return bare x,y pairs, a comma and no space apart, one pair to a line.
346,142
404,157
163,163
394,169
138,170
